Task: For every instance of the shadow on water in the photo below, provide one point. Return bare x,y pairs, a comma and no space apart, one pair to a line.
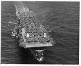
25,55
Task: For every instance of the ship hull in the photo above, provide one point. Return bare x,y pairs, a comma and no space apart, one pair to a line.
38,53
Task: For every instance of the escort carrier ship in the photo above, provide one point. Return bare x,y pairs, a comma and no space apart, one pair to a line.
30,33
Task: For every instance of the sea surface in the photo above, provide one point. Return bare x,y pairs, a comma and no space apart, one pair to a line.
61,19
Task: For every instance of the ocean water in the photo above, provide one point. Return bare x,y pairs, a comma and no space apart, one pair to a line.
61,19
